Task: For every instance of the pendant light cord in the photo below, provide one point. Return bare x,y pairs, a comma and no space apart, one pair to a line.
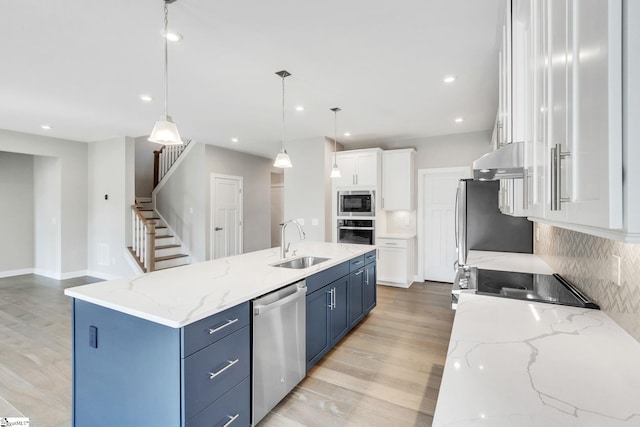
283,77
335,138
166,59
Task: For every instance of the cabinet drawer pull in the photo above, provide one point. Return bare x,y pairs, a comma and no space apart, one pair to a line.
357,273
231,420
391,243
229,322
358,262
212,375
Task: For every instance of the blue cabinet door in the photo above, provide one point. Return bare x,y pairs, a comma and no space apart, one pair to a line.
318,318
356,309
340,311
369,287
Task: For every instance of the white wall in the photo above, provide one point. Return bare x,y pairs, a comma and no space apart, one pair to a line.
256,173
144,166
72,156
16,214
181,201
184,200
110,174
305,188
47,216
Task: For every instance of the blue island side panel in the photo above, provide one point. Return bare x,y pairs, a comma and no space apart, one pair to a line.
132,377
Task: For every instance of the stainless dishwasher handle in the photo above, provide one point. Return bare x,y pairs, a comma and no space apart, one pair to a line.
229,323
212,375
231,420
261,309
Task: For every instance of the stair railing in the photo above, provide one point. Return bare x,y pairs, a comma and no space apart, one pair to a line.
164,158
144,237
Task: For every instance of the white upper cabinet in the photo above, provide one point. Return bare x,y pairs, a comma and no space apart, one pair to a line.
584,110
358,168
503,122
398,180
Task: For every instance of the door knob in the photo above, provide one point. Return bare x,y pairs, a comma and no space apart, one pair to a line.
218,228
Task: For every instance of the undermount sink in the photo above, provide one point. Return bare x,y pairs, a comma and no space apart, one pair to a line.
302,262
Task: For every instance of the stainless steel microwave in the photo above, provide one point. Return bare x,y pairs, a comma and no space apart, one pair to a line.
356,203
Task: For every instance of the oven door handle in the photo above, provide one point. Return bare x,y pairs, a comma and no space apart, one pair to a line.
355,228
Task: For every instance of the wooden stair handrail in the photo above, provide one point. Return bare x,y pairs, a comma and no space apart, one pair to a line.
144,239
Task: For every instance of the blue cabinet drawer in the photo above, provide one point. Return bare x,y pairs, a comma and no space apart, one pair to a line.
212,371
324,277
232,410
370,257
356,263
209,330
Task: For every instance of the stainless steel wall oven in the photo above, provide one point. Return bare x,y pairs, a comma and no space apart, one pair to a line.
359,231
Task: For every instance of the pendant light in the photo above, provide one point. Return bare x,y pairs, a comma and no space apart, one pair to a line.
165,132
283,160
335,172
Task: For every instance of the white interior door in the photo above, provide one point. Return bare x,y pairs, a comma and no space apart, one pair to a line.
226,215
436,221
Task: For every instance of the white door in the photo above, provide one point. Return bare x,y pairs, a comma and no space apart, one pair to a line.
226,215
436,221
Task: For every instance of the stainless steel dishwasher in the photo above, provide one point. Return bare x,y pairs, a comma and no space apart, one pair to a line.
279,346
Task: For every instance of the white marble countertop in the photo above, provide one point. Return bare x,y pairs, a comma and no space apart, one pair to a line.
403,236
508,261
179,296
518,363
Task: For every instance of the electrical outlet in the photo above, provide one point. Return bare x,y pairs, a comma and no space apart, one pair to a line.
615,269
537,234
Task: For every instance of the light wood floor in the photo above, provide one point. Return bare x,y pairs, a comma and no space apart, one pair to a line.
386,372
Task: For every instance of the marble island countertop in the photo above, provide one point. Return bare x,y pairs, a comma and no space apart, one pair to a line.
179,296
508,261
519,363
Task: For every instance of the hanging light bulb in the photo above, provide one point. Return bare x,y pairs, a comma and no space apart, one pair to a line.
335,171
165,132
283,160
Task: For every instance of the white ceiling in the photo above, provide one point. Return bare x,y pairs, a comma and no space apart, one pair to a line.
80,66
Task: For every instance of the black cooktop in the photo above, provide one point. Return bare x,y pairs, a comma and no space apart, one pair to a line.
547,288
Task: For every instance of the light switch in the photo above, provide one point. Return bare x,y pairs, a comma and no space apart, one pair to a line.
615,269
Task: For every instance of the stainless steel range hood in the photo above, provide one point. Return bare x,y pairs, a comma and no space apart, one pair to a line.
505,162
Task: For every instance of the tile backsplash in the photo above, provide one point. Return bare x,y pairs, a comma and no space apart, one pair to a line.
586,261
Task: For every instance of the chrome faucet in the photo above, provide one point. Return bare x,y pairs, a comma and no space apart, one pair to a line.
285,248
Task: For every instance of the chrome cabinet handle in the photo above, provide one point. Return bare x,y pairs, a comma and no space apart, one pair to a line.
229,322
330,292
358,262
391,243
218,228
359,273
525,189
556,177
334,297
231,420
212,375
499,134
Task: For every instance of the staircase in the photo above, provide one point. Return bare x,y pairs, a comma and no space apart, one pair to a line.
153,247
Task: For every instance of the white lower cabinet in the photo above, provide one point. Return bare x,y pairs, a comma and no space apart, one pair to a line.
395,261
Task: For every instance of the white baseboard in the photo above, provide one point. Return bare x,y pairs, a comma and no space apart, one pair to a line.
11,273
394,284
58,275
103,276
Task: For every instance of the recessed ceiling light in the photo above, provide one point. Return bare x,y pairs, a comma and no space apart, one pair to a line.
449,79
347,134
459,120
46,127
299,108
174,36
234,140
146,98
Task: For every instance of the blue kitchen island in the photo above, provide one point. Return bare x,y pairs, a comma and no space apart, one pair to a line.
173,347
